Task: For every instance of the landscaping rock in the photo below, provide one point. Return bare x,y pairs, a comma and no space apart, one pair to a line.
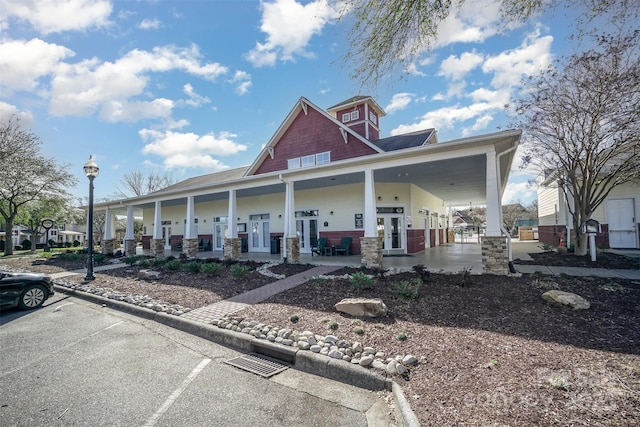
566,298
362,307
149,275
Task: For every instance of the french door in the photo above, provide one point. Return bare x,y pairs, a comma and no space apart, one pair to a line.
219,232
391,229
307,231
259,240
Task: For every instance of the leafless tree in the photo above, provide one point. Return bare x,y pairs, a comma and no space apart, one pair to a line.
141,182
582,124
26,175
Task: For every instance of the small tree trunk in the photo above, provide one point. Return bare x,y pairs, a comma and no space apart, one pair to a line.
582,244
8,241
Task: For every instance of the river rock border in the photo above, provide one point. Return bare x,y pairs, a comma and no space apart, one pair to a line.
331,346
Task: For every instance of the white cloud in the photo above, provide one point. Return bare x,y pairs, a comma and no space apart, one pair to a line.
23,63
111,88
506,70
242,80
412,69
55,16
509,67
7,111
289,26
474,22
149,24
195,100
521,192
399,101
189,150
455,68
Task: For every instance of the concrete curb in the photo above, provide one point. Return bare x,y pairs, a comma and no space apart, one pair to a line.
305,361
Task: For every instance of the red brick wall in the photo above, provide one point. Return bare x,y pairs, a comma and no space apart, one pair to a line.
415,240
146,242
550,234
312,134
335,236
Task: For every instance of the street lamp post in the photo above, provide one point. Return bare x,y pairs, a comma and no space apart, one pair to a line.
91,170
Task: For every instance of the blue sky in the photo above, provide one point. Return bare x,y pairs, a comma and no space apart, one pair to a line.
200,86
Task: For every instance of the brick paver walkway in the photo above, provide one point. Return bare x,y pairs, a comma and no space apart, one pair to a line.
229,306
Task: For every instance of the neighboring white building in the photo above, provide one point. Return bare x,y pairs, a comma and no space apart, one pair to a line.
617,216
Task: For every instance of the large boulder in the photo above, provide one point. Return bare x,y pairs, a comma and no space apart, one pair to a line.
149,275
566,298
362,307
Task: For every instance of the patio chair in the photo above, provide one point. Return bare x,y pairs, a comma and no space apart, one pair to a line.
319,247
345,246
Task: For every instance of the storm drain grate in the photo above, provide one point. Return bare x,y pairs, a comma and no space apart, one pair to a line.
257,364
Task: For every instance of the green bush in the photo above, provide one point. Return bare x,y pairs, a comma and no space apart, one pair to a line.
52,243
173,265
333,325
17,247
144,263
360,281
67,244
211,268
129,260
407,289
26,244
47,255
99,258
193,266
76,243
239,271
401,336
158,262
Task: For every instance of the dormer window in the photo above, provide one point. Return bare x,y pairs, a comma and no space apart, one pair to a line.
373,118
346,117
355,115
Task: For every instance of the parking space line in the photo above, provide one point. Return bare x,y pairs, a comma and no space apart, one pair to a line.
176,393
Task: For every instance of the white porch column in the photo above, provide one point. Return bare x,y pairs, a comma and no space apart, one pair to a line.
370,217
232,231
493,197
289,221
189,226
157,221
129,233
109,225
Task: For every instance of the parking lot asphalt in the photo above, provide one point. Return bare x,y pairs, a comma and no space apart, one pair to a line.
73,362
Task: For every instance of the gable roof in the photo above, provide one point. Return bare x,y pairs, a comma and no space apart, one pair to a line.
408,140
302,105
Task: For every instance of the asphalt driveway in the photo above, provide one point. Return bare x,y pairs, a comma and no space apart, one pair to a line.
76,363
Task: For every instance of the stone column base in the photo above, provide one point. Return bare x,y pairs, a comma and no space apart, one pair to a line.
107,246
157,247
451,236
293,249
130,247
190,247
495,255
232,247
371,250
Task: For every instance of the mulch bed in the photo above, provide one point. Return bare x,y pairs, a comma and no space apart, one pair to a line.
492,351
603,260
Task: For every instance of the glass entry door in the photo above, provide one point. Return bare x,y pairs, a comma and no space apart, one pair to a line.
219,232
166,235
307,231
391,229
260,237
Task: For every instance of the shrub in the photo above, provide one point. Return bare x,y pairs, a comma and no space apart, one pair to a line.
144,263
129,260
466,277
172,265
401,336
422,272
559,384
158,262
294,318
360,281
211,269
193,266
358,330
52,243
239,271
407,289
333,325
379,272
26,244
99,258
546,247
47,255
67,244
17,247
76,243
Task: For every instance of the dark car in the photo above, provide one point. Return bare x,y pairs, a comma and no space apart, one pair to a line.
24,290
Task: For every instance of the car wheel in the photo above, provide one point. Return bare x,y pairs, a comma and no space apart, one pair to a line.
32,297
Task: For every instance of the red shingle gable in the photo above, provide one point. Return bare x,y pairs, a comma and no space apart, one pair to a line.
312,133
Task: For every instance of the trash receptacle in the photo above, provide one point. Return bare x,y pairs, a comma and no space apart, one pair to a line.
275,245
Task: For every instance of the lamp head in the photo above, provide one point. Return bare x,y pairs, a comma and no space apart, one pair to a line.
90,168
